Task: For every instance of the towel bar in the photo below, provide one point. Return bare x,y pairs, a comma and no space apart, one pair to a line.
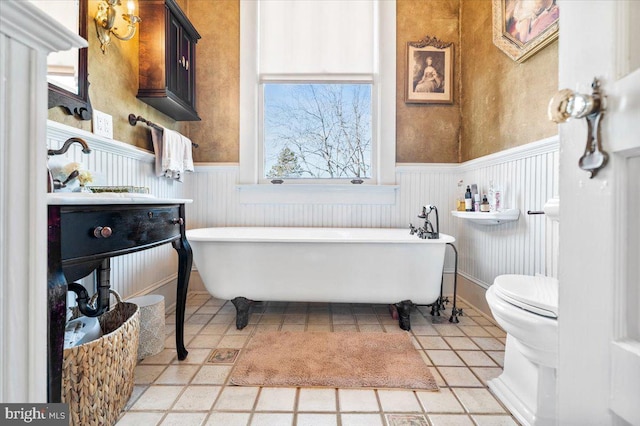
133,119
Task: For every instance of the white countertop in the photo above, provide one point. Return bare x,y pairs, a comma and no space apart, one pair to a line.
108,198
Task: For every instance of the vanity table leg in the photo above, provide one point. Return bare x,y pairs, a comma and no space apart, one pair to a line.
185,259
57,308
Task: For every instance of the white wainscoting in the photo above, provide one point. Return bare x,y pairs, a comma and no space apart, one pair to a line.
117,163
527,175
216,195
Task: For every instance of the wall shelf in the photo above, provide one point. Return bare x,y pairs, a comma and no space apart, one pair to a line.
491,218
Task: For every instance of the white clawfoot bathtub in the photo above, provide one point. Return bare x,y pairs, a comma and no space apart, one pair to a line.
350,265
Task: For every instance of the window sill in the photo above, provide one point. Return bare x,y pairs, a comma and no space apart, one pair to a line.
317,194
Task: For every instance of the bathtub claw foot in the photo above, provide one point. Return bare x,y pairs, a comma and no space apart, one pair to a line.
242,305
435,308
404,311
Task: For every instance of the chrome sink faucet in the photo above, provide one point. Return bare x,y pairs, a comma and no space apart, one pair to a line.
53,184
427,232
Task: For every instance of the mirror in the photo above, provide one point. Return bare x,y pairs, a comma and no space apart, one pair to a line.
67,71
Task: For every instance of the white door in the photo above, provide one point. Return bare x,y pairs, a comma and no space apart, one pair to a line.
599,266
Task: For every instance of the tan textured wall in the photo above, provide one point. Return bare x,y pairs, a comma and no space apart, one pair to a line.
504,103
218,80
498,103
113,79
427,133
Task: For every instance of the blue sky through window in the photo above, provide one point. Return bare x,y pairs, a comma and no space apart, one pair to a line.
317,130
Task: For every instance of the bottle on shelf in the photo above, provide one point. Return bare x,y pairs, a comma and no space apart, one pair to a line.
484,206
468,203
476,202
460,199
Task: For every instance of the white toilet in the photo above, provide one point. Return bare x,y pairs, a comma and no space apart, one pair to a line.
526,307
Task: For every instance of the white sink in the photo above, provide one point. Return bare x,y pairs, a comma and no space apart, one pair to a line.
80,198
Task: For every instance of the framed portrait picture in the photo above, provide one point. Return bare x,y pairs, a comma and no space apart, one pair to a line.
429,72
523,27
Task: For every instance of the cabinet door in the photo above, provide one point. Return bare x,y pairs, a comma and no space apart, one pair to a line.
174,57
186,68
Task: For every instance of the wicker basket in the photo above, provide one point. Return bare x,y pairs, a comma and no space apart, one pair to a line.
97,377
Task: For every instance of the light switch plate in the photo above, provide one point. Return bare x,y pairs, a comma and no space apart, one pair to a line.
102,124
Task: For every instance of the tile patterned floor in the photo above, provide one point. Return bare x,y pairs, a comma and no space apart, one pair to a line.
195,391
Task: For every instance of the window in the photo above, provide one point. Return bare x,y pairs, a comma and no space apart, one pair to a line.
317,131
317,89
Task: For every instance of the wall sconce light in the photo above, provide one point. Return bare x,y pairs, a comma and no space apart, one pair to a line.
105,20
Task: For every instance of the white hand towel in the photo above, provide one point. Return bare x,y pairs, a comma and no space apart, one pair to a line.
188,156
156,137
173,153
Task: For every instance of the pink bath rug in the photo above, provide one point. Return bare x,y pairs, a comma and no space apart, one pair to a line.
335,360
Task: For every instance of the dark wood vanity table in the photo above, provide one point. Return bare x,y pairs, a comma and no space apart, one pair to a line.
83,236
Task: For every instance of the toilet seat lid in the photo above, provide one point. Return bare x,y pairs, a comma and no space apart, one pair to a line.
535,294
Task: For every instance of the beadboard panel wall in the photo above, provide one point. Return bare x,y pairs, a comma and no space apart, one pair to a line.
116,163
215,192
527,176
217,202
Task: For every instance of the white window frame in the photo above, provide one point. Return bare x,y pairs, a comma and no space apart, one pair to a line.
383,99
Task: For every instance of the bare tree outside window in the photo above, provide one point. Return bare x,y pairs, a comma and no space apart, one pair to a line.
317,131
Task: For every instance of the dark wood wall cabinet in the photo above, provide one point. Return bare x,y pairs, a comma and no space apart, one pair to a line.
168,59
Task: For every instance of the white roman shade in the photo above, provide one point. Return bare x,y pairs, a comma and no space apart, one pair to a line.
316,38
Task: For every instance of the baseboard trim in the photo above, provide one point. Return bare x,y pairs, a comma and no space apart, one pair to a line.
474,294
166,288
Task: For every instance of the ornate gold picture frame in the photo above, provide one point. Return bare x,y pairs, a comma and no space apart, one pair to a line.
429,72
521,28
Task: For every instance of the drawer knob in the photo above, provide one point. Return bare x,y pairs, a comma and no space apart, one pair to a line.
177,221
102,232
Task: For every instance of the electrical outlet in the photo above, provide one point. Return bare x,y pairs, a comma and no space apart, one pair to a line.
102,124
